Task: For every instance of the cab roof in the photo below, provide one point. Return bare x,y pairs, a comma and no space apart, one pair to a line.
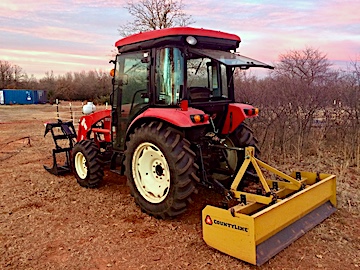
177,35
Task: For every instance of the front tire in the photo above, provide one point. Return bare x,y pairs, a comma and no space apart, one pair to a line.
160,169
87,165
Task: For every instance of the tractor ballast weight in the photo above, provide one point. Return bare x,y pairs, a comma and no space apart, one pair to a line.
175,123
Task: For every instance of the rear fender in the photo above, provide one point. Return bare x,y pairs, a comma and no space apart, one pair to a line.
174,116
235,116
87,121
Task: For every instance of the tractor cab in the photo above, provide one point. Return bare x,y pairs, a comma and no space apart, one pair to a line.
175,68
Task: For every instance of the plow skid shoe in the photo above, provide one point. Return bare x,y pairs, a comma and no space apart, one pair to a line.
254,233
56,169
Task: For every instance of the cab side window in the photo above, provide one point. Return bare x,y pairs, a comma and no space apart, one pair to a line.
169,75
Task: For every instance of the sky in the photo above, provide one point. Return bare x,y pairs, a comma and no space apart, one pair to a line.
79,35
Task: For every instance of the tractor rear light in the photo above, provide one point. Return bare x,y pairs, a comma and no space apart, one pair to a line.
251,112
199,118
184,105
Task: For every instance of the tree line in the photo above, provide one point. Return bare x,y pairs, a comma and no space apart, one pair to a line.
306,107
92,85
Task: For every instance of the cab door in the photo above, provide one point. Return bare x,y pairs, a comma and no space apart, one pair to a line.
131,92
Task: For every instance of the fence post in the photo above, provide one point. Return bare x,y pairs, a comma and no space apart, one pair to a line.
71,114
57,109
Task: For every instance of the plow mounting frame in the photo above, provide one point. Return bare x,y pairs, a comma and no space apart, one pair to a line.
67,133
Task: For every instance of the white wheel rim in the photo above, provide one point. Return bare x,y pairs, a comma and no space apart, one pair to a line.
80,165
151,172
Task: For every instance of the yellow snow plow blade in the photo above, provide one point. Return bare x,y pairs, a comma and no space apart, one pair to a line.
262,225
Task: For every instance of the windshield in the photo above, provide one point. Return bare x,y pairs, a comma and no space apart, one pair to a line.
208,77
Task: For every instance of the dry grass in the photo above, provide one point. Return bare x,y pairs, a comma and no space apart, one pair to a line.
49,222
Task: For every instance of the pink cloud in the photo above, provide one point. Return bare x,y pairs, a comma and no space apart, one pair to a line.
267,28
340,12
274,27
65,34
39,62
13,9
56,33
101,3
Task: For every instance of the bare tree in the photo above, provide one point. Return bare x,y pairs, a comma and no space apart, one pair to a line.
305,76
18,76
5,74
308,65
297,96
48,83
348,117
11,76
153,15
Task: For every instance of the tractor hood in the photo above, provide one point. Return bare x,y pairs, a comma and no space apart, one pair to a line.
231,59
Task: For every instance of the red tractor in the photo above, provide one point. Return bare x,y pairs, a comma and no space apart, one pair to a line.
174,121
173,124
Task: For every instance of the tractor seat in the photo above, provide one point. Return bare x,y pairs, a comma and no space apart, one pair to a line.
199,94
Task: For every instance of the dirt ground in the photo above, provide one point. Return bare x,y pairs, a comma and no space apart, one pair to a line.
49,222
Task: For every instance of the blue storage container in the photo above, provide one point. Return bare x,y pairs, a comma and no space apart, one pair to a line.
40,97
36,98
22,96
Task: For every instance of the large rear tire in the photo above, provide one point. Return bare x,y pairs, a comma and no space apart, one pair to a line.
241,137
87,165
160,169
